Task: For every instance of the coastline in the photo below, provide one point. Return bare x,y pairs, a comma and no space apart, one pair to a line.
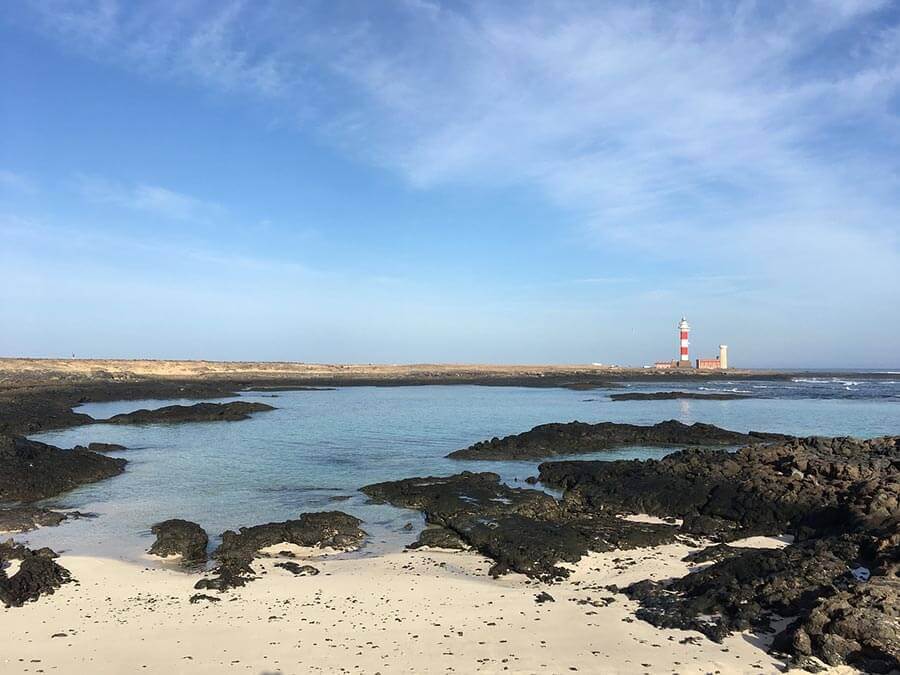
353,596
420,611
40,394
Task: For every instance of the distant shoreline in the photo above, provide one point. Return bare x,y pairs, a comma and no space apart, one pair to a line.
46,370
40,394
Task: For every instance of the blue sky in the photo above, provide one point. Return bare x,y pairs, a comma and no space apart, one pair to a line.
449,181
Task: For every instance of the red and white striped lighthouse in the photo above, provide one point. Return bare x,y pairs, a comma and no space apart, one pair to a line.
684,330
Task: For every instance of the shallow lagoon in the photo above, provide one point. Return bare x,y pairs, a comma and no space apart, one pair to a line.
320,446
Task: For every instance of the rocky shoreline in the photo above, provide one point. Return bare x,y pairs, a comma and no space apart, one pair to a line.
199,412
838,498
30,470
548,440
677,395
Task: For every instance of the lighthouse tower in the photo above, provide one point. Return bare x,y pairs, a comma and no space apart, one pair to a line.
684,329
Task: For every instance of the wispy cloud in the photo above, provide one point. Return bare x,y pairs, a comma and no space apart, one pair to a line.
17,182
631,115
738,138
152,199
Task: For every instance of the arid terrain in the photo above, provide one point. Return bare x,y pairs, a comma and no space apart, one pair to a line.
51,370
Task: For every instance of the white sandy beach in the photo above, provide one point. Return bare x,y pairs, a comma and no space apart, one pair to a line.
424,611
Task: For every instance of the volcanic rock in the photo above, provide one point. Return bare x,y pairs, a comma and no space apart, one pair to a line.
573,438
715,553
807,487
102,447
438,537
673,395
840,619
841,577
38,574
198,412
180,537
747,591
30,470
27,518
859,627
328,529
297,569
522,530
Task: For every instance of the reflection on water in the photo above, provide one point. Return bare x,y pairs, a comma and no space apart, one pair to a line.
324,444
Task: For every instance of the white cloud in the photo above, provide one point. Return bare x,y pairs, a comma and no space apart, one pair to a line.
741,138
623,113
152,199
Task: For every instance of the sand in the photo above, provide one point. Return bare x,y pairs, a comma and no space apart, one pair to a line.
423,611
49,370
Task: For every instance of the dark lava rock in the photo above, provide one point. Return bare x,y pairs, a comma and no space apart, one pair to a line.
38,574
298,570
840,620
199,412
859,627
26,518
749,590
224,579
543,597
573,438
102,447
522,530
587,385
715,553
839,497
30,470
180,537
672,395
290,388
199,597
327,529
807,487
439,537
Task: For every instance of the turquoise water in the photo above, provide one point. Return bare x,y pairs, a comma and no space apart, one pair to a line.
319,445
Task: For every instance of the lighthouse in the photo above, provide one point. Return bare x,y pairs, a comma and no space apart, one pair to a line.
684,329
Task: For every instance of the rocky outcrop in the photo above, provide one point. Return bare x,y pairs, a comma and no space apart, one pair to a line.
297,569
101,447
522,530
840,497
38,574
746,591
548,440
180,537
199,412
842,618
439,537
714,553
328,529
27,518
859,626
675,395
30,470
807,487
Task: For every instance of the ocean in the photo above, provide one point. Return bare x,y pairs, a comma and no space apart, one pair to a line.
318,447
